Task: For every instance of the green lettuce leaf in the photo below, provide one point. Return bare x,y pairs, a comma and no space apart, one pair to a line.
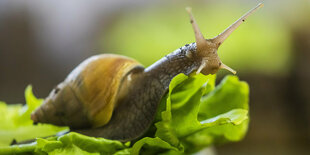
71,143
80,144
221,115
194,114
151,146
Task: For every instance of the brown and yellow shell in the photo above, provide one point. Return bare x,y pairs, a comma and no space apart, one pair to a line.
88,95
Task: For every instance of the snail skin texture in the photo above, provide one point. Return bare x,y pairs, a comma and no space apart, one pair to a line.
115,97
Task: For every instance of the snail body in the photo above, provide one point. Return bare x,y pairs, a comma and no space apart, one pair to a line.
115,97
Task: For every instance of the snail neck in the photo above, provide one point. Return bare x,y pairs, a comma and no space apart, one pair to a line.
182,60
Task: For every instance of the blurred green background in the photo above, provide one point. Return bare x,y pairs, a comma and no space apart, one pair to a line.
42,41
261,45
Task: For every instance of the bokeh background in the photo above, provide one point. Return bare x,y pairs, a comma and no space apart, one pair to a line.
42,41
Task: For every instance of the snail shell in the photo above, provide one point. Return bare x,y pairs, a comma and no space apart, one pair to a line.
88,95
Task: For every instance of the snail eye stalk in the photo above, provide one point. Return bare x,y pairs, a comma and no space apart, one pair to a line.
224,35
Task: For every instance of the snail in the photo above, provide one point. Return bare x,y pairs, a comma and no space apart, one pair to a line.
115,97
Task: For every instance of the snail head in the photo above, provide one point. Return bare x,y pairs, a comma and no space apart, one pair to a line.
207,48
